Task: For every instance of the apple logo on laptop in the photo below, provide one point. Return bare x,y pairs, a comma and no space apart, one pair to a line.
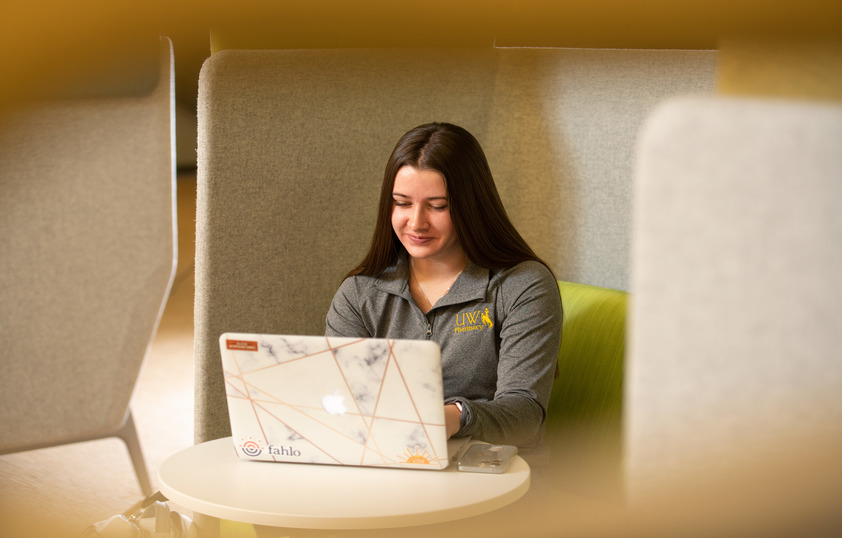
334,403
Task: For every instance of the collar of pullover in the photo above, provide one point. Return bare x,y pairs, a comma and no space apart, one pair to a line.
471,284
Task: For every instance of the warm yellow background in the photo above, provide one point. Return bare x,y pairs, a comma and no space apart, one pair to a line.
784,47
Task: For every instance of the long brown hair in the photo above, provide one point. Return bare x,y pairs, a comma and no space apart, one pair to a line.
482,226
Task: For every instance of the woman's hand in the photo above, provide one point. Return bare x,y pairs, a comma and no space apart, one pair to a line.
452,419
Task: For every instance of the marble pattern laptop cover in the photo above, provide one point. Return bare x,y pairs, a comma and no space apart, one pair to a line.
341,401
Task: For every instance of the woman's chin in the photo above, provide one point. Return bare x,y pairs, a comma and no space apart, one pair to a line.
420,253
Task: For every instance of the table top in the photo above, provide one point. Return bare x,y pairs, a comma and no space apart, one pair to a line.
210,479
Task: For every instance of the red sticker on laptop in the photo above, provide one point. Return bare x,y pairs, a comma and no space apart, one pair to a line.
241,345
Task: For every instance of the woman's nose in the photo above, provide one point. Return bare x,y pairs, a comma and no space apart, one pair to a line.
418,220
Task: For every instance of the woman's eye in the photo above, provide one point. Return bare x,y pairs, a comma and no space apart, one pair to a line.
440,207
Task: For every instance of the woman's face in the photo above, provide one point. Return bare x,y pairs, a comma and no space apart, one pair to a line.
421,216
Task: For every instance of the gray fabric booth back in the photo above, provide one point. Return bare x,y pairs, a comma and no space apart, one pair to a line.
734,343
292,147
87,257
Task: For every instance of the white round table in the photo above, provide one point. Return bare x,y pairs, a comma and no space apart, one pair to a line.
209,478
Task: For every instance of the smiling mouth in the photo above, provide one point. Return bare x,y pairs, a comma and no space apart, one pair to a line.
419,239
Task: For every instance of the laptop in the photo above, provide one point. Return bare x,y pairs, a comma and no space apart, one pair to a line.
338,401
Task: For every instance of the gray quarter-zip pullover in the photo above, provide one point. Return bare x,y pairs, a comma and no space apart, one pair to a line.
499,333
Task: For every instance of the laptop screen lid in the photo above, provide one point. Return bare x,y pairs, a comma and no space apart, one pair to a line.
331,400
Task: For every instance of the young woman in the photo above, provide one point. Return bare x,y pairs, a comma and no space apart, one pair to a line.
446,264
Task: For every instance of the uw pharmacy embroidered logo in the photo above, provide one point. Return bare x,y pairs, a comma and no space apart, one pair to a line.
473,321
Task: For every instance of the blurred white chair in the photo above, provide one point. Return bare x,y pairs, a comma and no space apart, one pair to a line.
734,341
87,258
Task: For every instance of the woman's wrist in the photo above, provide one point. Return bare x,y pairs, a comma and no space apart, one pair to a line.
452,418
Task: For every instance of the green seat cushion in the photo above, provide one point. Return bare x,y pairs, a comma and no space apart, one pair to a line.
584,417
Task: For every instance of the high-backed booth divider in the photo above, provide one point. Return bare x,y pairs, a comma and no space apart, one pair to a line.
734,338
293,145
87,255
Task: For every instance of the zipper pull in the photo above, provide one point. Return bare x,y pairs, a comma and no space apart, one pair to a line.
429,329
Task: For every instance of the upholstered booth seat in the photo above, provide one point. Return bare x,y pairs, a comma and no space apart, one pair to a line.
87,258
292,146
584,418
734,342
